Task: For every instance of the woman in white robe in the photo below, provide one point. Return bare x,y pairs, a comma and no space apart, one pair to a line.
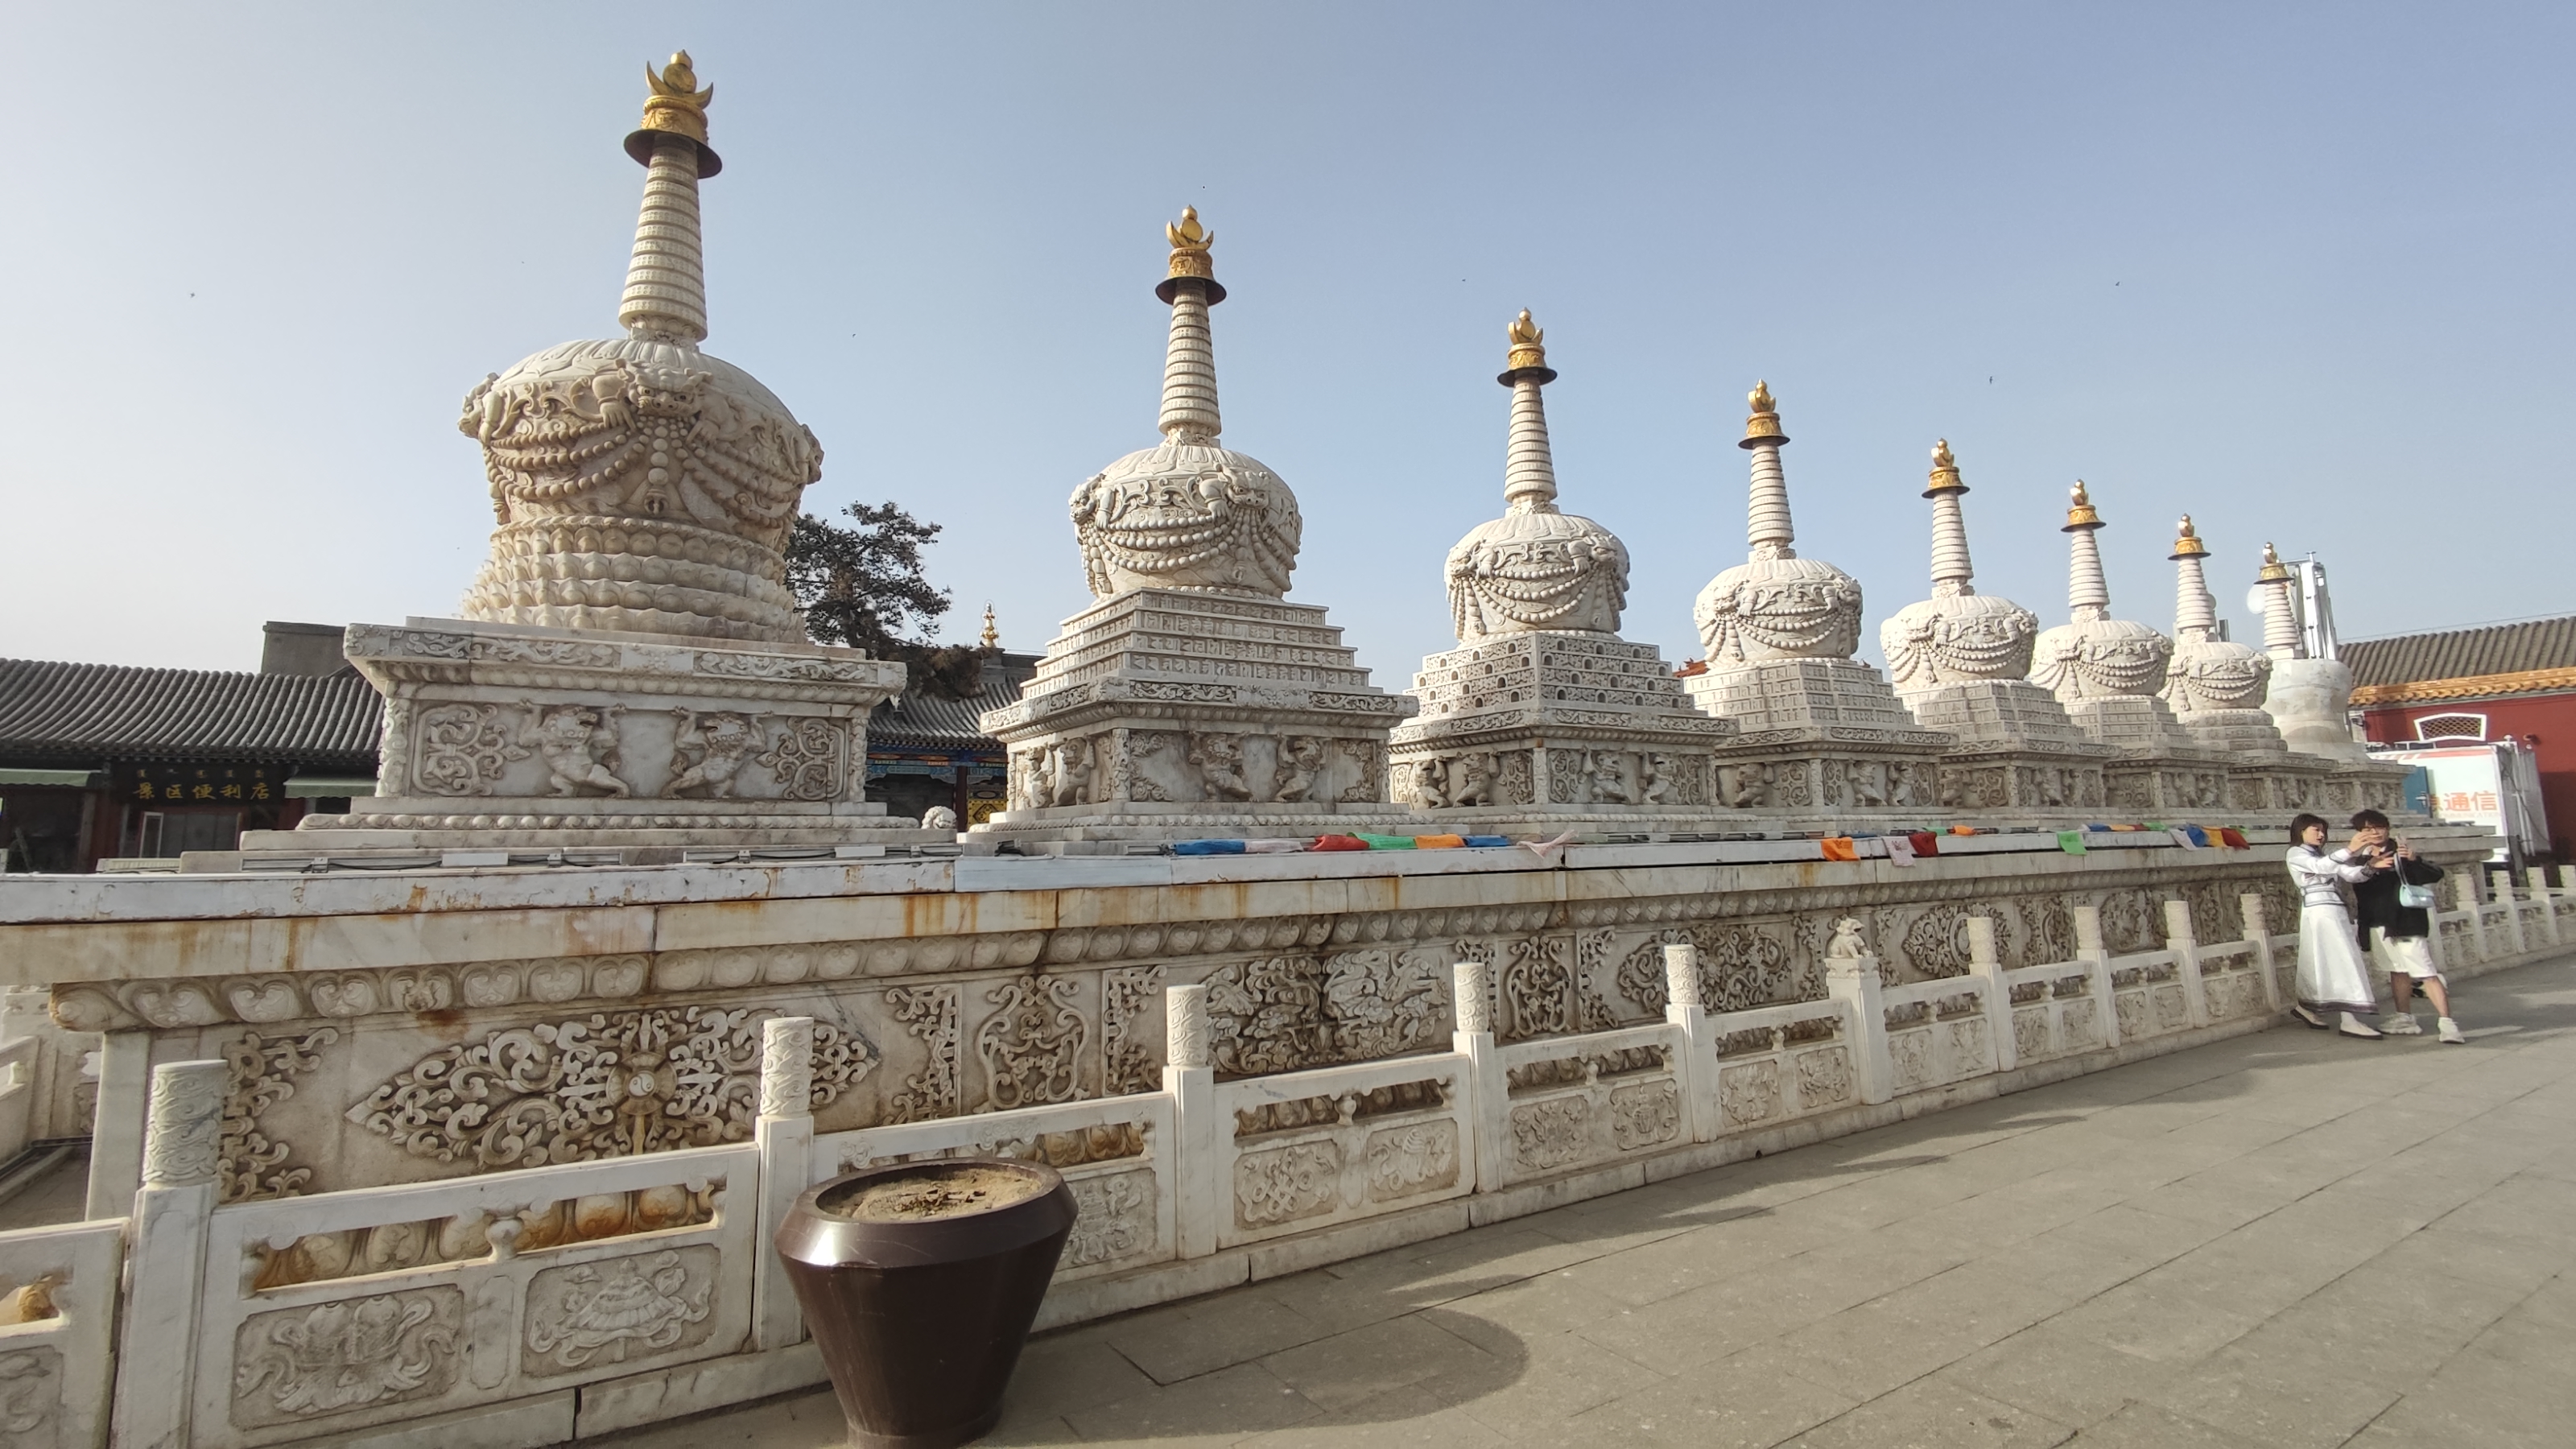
2331,975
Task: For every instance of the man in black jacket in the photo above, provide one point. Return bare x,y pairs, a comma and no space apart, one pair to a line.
2399,934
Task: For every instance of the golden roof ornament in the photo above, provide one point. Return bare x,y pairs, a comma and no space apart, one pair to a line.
2187,542
2274,571
2079,512
1190,243
991,638
1945,471
675,106
1528,351
1762,428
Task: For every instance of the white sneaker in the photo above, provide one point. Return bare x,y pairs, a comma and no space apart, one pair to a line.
2401,1024
2355,1027
2451,1032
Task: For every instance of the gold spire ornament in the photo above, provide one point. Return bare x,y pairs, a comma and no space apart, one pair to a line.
1528,351
1762,427
991,638
2187,543
1945,471
2079,513
675,106
1190,260
2274,571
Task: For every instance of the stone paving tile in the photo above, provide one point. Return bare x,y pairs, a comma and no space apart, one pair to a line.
2144,1426
1932,1415
1337,1372
2060,1374
1221,1407
1174,1344
1729,1404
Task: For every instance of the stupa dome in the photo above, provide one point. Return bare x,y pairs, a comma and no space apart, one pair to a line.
1535,569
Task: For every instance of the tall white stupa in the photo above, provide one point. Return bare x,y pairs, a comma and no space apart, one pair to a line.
1543,708
629,670
1817,728
2215,686
1960,660
1192,698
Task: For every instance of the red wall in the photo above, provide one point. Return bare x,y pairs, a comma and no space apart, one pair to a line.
2552,717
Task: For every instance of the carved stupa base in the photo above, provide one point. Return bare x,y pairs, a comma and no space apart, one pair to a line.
1791,694
518,736
2133,723
2307,702
1831,770
1551,723
2240,733
2025,780
1171,714
1999,714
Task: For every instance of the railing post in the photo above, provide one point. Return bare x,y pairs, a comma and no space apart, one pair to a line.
1987,966
2512,916
2538,875
1684,1008
2473,900
117,1122
2180,940
1853,981
166,1256
1489,1087
2089,949
1198,1159
786,1137
2258,930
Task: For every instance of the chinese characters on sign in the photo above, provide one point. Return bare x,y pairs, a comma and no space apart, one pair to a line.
204,784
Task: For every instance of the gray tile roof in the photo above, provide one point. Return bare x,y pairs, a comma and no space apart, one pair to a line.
2462,653
85,713
927,722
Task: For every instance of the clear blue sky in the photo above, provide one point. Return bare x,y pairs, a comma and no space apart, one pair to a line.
2302,272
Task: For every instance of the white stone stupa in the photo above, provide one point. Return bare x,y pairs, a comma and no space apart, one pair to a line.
2215,686
1191,699
1961,659
1817,727
1543,708
2307,698
629,669
2108,673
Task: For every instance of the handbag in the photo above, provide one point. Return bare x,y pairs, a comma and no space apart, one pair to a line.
2414,897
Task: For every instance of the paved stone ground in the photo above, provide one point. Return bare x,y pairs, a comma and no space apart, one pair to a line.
2284,1239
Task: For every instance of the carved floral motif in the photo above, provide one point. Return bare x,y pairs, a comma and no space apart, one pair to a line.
1113,1217
1643,1114
1031,1046
1286,1013
607,1085
1127,1060
1551,1133
1283,1184
608,1312
1404,1161
462,749
929,1014
249,1166
810,759
350,1353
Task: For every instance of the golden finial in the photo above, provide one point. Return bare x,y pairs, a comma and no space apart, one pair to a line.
2187,542
2274,571
1763,427
2079,513
675,106
1945,470
1190,242
1528,352
991,637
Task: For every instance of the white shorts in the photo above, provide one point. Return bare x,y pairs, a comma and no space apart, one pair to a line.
2410,954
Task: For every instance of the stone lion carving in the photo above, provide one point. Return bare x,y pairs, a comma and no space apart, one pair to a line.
1847,944
639,484
579,745
1187,516
720,741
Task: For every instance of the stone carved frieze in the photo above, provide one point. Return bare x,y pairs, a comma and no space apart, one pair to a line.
618,1309
349,1353
1824,1077
708,751
1031,1046
461,749
1551,1133
607,1085
1288,1013
345,994
579,745
1113,1218
1749,1094
1128,998
31,1389
929,1015
1407,1161
1537,983
260,1074
1286,1183
810,758
1645,1114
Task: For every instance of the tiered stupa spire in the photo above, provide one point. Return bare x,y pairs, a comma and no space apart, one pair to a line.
1952,574
2195,612
2088,593
1190,412
1767,527
1529,467
666,281
2281,637
2109,673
